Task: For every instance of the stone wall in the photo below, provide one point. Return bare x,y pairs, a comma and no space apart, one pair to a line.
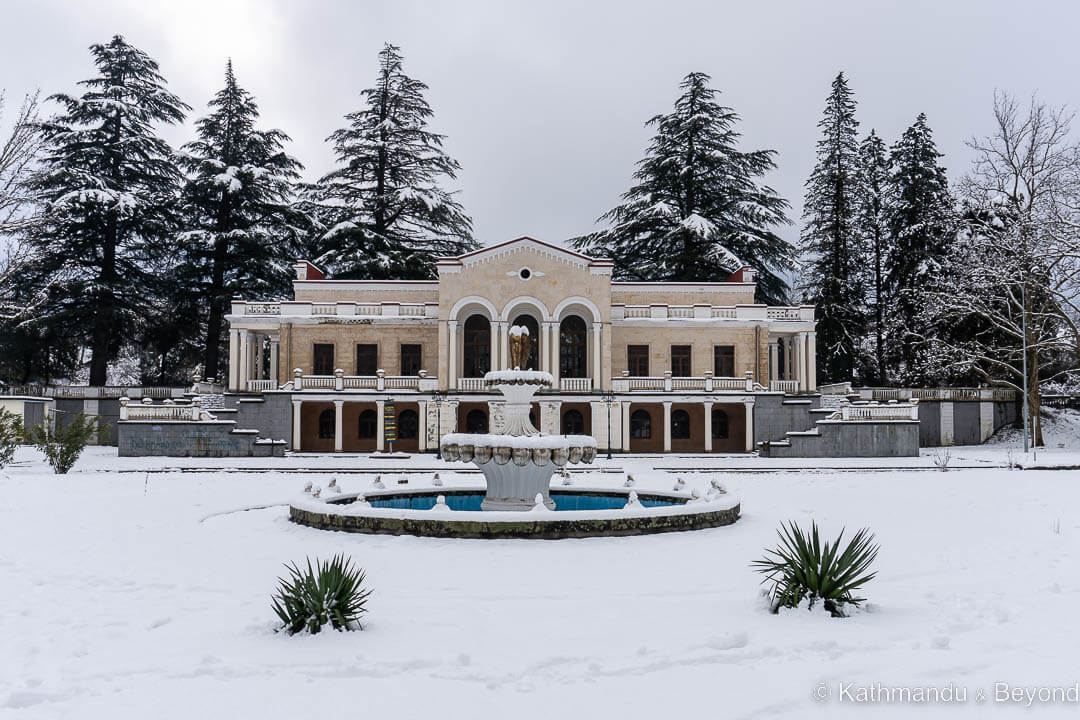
775,414
175,438
963,422
660,339
297,348
271,415
834,438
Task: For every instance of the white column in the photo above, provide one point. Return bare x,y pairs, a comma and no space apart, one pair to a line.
504,347
625,426
708,426
380,426
452,349
599,427
986,420
811,361
338,407
234,360
945,424
800,360
245,359
749,425
596,355
667,426
423,427
774,361
296,424
496,345
275,353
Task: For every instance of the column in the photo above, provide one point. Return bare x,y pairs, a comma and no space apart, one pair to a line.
811,361
599,427
234,361
504,347
625,426
800,361
551,417
245,360
749,405
451,380
338,407
296,425
554,342
275,352
667,426
596,355
380,426
422,430
708,426
774,362
945,423
497,360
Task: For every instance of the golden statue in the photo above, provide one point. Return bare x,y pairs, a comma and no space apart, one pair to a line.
520,346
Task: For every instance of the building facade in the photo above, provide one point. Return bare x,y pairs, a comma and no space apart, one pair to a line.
677,367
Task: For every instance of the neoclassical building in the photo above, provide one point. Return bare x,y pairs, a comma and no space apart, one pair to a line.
677,367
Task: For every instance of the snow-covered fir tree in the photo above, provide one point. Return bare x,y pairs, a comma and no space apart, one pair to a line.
385,207
921,228
241,228
831,275
107,189
697,210
871,223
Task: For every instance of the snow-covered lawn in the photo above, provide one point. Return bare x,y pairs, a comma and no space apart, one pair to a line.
139,595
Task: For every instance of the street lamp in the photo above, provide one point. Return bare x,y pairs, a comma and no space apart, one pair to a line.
438,397
608,398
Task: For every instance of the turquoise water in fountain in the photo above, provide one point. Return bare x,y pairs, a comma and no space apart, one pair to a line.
563,501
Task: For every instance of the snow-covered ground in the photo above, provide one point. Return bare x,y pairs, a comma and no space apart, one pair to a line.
126,593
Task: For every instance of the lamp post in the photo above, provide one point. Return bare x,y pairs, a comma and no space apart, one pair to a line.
438,397
608,398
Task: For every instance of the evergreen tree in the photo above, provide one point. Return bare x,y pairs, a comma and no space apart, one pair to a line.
832,278
107,187
921,229
241,227
387,213
872,228
697,211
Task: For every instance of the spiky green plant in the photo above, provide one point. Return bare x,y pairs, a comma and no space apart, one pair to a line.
330,593
802,567
63,443
11,436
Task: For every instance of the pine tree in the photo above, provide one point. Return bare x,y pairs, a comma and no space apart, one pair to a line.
241,226
832,274
697,211
107,187
921,227
872,229
387,214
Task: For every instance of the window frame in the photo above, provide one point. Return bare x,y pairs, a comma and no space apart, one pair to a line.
719,412
678,416
375,359
717,358
362,421
689,371
635,434
315,365
327,418
631,359
419,358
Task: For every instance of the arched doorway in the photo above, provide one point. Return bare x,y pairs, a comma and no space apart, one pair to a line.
476,422
534,334
573,423
573,348
476,349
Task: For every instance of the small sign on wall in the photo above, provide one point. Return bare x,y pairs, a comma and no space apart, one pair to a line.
389,423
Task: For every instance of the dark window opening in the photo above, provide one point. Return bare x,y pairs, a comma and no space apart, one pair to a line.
724,361
326,425
719,425
410,359
680,360
534,334
680,425
323,359
408,425
367,424
476,351
573,423
637,360
573,348
367,359
476,422
640,425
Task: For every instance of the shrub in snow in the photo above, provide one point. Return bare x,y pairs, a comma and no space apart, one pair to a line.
11,435
803,568
330,593
64,443
942,458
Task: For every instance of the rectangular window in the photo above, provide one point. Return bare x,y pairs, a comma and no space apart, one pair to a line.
637,360
367,359
323,359
680,360
410,359
724,361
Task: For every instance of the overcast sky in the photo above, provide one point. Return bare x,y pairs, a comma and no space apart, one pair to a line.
544,102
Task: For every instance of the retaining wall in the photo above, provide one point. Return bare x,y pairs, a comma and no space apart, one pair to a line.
835,438
179,438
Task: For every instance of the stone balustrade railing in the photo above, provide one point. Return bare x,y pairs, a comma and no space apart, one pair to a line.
669,383
575,384
701,311
873,412
335,309
379,382
168,410
787,386
95,392
952,394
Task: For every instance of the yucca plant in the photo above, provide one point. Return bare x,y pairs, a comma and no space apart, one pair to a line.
330,593
11,435
63,443
802,567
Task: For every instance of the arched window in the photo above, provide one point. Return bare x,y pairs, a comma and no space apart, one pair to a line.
534,334
640,425
476,355
573,348
680,425
719,425
408,425
476,422
367,424
326,424
532,418
573,423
